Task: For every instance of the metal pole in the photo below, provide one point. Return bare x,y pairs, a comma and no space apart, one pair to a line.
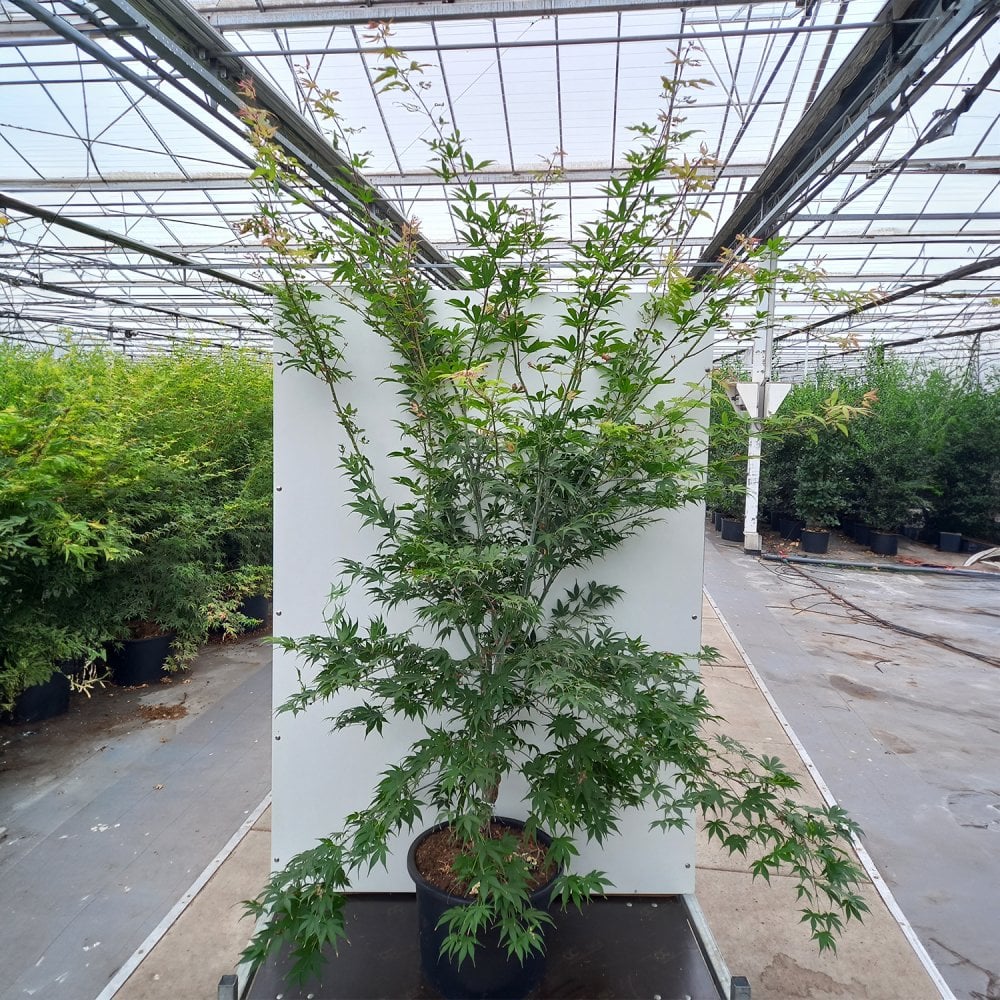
760,374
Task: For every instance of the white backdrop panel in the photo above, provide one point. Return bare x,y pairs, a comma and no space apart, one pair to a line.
319,777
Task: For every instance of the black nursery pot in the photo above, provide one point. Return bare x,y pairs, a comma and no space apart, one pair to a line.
140,661
862,534
883,543
495,974
790,528
42,701
717,521
816,542
255,607
950,541
732,529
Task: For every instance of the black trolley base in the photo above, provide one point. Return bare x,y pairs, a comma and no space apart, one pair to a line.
621,947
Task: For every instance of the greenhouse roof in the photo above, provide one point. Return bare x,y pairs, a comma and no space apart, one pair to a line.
865,133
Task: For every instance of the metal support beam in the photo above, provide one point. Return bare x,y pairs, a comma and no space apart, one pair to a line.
877,216
120,240
889,64
238,180
957,274
111,329
20,281
687,35
309,14
973,332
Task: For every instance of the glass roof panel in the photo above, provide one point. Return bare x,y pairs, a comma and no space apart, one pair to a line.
91,155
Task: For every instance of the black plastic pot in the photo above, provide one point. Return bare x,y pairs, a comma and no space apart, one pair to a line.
717,521
255,607
816,542
862,534
140,661
732,529
495,974
973,547
883,543
42,701
790,528
950,541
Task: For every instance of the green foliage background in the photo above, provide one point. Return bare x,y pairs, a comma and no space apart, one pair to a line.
130,492
927,453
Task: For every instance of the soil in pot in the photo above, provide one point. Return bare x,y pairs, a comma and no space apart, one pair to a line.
732,529
495,974
140,661
883,543
816,542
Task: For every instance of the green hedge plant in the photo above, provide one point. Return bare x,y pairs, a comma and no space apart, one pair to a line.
127,491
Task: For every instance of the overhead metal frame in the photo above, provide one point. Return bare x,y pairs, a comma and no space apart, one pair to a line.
126,242
888,65
189,67
174,36
248,16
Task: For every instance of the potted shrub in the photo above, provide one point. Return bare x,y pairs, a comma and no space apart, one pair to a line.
158,594
821,490
728,433
779,456
894,464
60,460
241,601
200,508
125,488
528,451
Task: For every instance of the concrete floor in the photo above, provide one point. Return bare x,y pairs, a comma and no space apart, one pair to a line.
63,890
111,815
905,730
757,925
